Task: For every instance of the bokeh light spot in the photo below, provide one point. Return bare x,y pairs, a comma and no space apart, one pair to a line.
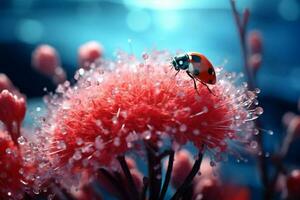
29,31
289,9
138,20
168,20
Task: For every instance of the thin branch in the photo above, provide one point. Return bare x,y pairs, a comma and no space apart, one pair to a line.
242,27
278,161
154,169
188,180
131,185
168,175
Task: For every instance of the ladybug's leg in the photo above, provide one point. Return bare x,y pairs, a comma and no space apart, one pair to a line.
207,87
195,84
177,72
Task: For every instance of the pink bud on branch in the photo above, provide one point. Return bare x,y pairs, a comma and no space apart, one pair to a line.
12,113
5,83
88,53
293,183
46,61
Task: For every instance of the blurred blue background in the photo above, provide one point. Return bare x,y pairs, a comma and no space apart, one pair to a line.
206,26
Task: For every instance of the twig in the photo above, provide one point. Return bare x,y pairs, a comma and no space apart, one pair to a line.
168,175
242,27
154,169
188,180
131,185
278,161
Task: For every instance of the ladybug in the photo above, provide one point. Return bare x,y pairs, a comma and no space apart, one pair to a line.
197,66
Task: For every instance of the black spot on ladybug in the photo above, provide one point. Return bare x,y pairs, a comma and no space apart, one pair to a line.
210,71
196,58
210,81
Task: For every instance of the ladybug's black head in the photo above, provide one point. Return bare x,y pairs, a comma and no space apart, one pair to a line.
181,62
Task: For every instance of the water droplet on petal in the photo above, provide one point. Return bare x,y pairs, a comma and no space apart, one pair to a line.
270,132
77,155
117,141
259,110
99,143
21,140
183,128
8,151
253,144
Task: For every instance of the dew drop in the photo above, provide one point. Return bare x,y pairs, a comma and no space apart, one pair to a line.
99,143
259,110
253,144
79,141
61,145
257,90
36,191
114,120
21,140
147,135
98,123
256,131
267,154
270,132
81,71
199,197
50,197
38,109
183,128
196,132
21,171
77,155
8,151
117,141
237,117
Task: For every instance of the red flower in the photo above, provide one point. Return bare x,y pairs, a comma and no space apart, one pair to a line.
293,184
12,112
118,104
10,165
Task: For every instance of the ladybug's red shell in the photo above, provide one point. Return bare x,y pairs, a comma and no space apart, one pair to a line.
206,70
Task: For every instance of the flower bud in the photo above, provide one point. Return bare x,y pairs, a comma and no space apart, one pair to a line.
293,184
181,168
89,53
255,42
